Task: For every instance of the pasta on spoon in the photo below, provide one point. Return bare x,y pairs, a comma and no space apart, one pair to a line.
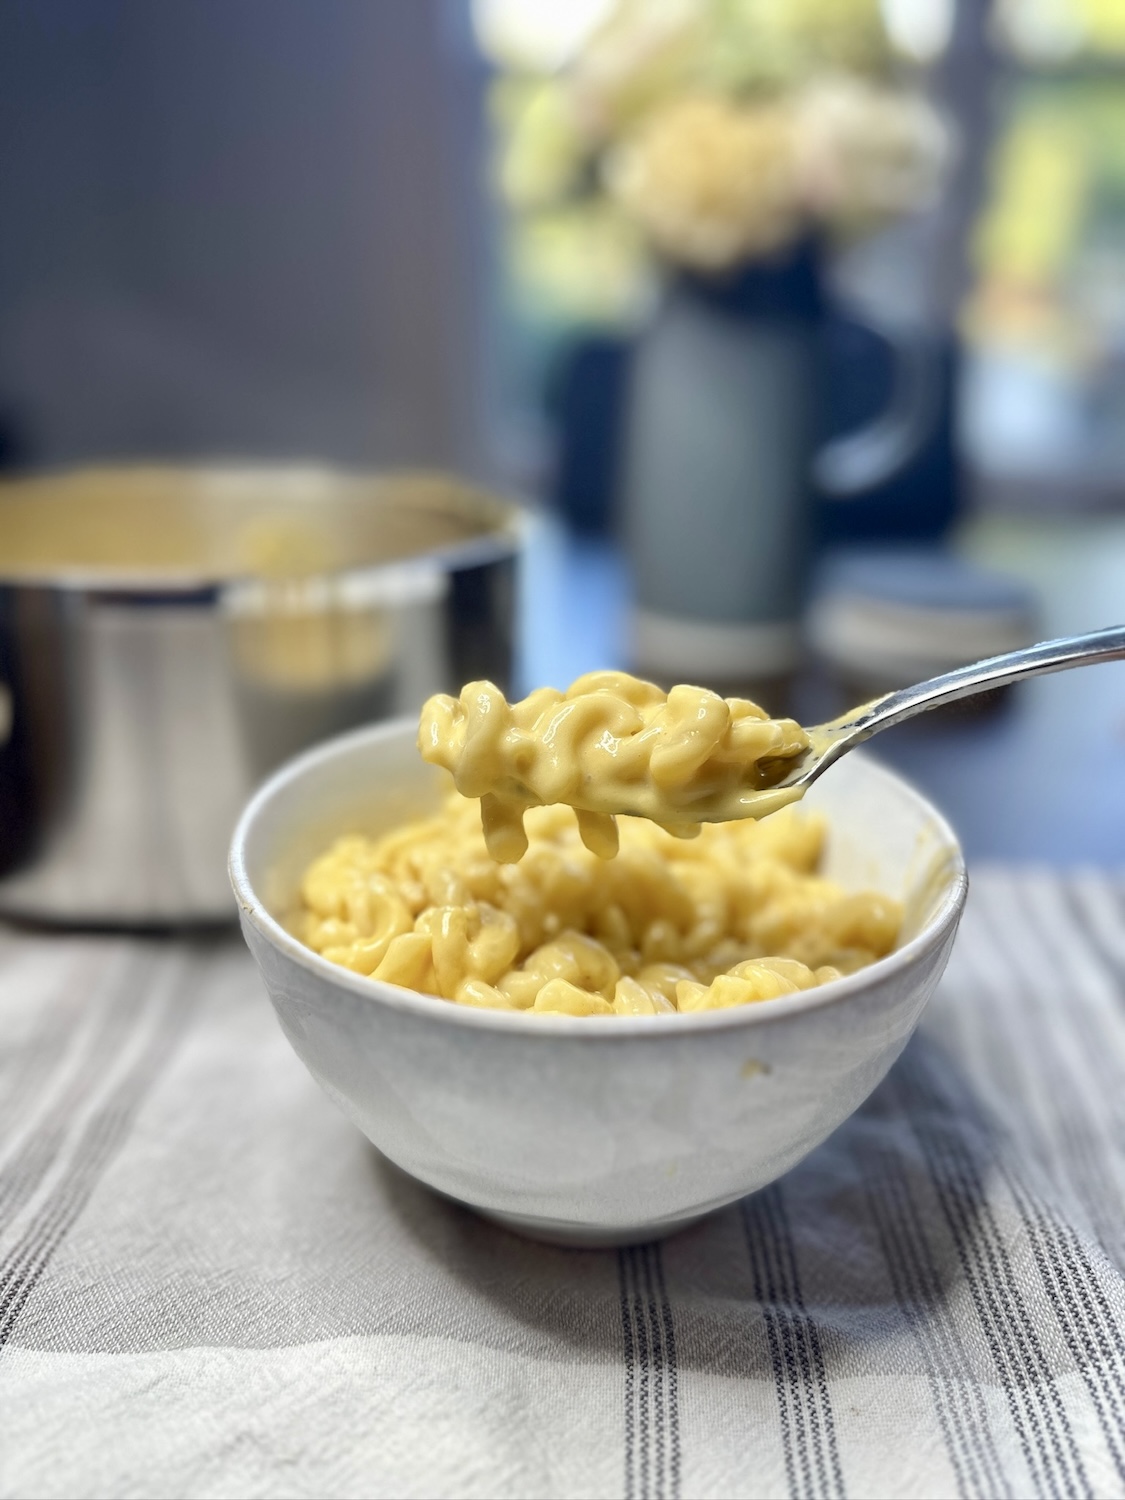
610,744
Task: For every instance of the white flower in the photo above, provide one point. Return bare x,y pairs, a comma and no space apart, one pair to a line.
865,154
712,183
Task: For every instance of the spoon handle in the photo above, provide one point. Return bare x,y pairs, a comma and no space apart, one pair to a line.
980,676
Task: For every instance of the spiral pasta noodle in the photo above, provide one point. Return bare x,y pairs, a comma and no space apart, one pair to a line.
610,744
735,916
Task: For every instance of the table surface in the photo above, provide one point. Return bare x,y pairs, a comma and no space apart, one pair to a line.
211,1285
1042,778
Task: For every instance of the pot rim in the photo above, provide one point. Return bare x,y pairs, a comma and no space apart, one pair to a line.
502,519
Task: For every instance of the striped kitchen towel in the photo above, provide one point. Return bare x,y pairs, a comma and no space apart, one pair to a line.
211,1285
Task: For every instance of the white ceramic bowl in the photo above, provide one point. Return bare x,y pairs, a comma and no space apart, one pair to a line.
576,1129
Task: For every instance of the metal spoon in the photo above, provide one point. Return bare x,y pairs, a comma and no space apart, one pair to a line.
830,741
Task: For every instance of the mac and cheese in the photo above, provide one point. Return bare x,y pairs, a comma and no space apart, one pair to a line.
736,915
610,744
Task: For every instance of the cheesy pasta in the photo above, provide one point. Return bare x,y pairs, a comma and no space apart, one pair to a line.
734,916
610,744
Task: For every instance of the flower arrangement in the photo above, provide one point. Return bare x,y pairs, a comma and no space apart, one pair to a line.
709,134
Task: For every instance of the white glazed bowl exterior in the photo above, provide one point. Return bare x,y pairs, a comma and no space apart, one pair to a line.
595,1131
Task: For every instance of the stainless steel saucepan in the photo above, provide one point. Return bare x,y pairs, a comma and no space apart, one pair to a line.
167,636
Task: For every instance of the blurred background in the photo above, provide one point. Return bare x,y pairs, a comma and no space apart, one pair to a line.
797,325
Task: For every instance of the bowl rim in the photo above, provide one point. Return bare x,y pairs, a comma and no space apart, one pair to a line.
530,1024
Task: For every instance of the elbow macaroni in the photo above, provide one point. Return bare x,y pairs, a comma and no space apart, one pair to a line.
735,916
610,744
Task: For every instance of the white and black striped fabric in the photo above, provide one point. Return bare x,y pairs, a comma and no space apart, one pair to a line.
210,1285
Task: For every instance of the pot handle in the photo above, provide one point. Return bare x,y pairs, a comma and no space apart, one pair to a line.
860,461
